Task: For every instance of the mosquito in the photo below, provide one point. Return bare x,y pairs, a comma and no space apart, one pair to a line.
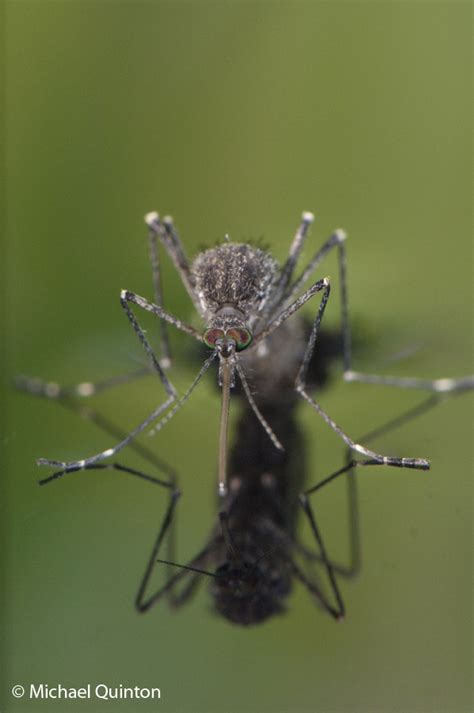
245,301
243,298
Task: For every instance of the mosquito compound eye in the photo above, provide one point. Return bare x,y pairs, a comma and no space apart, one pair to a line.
241,337
210,336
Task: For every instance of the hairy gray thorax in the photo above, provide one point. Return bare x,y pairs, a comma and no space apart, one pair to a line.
234,275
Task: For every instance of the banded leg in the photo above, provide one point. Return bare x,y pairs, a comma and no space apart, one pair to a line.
170,484
171,391
276,321
348,469
94,416
166,233
300,386
108,453
127,296
443,385
287,270
158,293
438,386
336,240
85,389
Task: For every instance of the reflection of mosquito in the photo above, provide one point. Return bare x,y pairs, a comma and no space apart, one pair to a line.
246,301
255,551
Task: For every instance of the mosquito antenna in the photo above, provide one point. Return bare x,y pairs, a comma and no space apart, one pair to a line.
256,410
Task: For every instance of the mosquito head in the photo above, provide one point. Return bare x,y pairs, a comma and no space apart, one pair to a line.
228,332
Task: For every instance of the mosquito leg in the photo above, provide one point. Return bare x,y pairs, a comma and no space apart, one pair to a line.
170,483
337,239
172,397
355,557
444,385
167,234
175,246
349,471
336,611
300,386
53,390
174,496
94,416
289,266
321,556
294,307
352,569
109,452
167,417
355,563
144,603
126,296
417,463
158,294
266,426
141,604
439,386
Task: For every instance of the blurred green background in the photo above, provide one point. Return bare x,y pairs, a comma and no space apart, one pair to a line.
234,117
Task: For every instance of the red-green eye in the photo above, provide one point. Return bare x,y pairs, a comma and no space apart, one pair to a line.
210,336
241,337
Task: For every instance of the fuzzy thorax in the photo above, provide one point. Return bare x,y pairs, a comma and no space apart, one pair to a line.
235,276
